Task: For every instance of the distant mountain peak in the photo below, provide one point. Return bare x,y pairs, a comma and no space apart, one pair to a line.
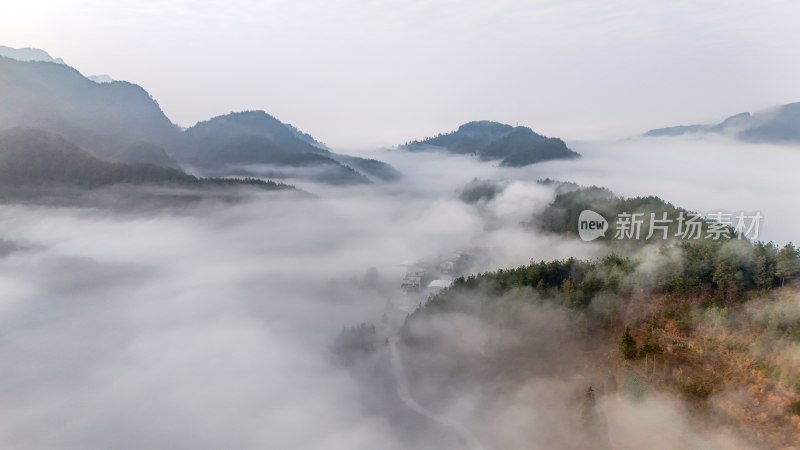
512,145
28,54
255,137
779,124
103,78
484,125
101,119
250,115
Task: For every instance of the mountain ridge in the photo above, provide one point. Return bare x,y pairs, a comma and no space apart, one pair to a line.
35,158
778,124
121,121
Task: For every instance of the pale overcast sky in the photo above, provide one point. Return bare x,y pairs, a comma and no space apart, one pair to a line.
360,73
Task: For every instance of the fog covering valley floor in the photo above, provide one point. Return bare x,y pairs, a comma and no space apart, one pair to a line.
211,325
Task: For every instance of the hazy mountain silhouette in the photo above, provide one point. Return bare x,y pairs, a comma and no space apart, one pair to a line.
780,124
103,78
28,54
243,137
513,146
100,118
236,140
255,137
35,54
120,121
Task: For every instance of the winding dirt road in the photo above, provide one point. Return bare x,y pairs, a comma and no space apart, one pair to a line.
469,440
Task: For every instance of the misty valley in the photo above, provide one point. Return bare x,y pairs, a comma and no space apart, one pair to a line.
238,284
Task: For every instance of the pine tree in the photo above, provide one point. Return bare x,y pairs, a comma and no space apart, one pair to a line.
787,263
727,277
764,270
627,344
588,414
568,291
594,424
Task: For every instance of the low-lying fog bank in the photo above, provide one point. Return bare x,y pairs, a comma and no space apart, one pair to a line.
209,327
